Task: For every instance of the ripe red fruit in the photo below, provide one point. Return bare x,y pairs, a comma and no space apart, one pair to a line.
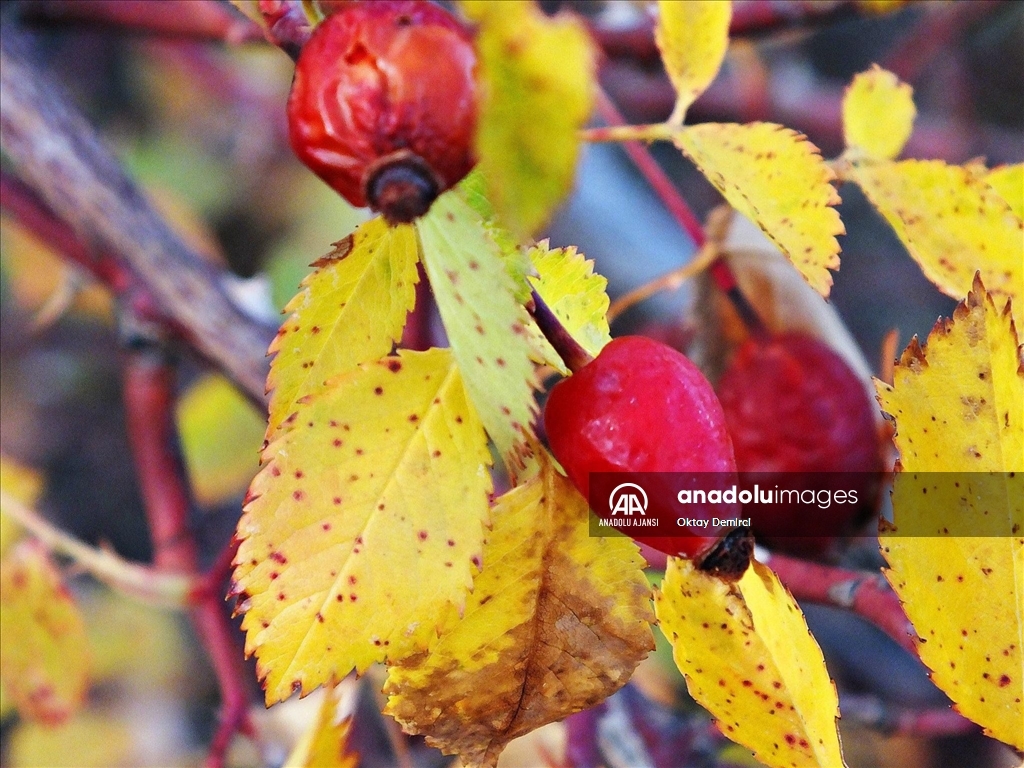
799,416
383,106
641,406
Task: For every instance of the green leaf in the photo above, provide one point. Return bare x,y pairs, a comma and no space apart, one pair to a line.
537,80
365,523
351,310
485,324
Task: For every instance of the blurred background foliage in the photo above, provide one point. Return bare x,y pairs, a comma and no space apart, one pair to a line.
202,127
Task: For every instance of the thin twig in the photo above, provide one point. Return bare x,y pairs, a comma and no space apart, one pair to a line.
669,281
135,580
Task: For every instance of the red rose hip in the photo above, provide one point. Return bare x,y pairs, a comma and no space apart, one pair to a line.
799,417
383,105
642,407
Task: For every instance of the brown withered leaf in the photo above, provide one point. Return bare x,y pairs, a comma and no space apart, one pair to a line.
557,622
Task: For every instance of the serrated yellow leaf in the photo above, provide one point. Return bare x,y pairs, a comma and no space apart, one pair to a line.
351,310
220,431
44,657
952,223
749,659
693,38
364,524
775,177
957,406
1008,181
566,280
325,742
557,621
19,482
536,77
878,114
485,324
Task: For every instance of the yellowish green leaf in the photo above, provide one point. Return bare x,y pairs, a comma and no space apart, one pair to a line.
485,324
693,38
957,406
878,7
351,310
576,294
19,482
557,621
325,742
952,223
537,79
89,740
749,659
364,524
878,114
44,657
220,433
777,178
1008,181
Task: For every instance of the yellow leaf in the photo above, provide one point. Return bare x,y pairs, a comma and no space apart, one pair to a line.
693,38
578,297
19,482
1008,181
952,223
878,114
325,743
777,178
536,77
485,324
957,406
44,657
220,432
364,524
749,659
557,621
351,310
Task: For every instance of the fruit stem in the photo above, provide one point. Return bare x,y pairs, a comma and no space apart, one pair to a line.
573,355
680,210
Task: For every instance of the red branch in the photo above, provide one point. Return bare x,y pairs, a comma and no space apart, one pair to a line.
189,19
865,593
149,406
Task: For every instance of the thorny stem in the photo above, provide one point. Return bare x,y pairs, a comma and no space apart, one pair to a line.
573,355
149,395
680,210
